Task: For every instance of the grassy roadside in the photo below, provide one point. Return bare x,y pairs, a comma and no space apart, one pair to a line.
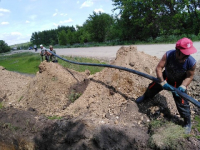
21,62
82,68
28,63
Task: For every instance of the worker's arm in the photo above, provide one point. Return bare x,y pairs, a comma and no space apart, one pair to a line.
189,76
160,67
48,53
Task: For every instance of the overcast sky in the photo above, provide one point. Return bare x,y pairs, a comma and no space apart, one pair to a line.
20,18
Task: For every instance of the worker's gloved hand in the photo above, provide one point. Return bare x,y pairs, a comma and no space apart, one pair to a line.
175,93
182,88
166,86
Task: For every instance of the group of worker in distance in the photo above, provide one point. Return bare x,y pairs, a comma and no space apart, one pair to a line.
175,69
47,55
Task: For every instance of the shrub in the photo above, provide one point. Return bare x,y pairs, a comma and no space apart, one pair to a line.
4,47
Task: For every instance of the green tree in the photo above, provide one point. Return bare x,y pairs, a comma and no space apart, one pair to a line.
49,36
81,35
143,19
114,32
62,36
193,18
4,47
69,37
98,26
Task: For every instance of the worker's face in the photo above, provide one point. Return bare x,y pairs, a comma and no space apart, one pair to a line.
181,57
51,48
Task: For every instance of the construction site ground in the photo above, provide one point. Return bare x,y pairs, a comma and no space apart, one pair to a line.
40,112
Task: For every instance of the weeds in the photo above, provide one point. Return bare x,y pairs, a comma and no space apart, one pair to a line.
155,124
20,98
31,127
74,96
166,135
197,125
54,117
10,127
54,79
1,105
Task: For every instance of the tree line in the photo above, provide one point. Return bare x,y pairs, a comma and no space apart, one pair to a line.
96,29
138,20
151,19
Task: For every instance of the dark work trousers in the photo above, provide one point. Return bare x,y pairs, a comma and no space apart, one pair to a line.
181,104
42,57
47,58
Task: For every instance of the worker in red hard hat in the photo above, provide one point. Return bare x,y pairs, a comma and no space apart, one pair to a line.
179,71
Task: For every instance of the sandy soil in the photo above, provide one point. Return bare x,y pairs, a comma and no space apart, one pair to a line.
105,116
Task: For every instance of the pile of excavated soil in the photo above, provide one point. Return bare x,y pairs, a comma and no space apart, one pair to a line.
48,93
110,94
105,116
12,86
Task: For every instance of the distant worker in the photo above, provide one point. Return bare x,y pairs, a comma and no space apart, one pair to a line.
52,57
44,53
35,47
179,71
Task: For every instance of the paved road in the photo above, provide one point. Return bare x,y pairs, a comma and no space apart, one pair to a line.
109,52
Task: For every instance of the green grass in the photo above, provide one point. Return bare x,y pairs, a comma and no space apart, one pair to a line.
197,125
28,63
154,124
10,127
20,98
54,117
74,96
166,136
1,105
21,62
82,68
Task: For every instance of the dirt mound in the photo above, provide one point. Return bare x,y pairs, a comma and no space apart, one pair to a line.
110,94
12,86
194,89
105,116
48,93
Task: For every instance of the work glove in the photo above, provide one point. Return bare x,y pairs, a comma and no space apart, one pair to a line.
175,93
166,86
182,88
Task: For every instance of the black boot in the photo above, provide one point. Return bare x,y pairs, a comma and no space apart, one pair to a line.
187,125
140,99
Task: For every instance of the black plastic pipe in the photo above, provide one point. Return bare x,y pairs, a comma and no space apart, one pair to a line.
184,95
